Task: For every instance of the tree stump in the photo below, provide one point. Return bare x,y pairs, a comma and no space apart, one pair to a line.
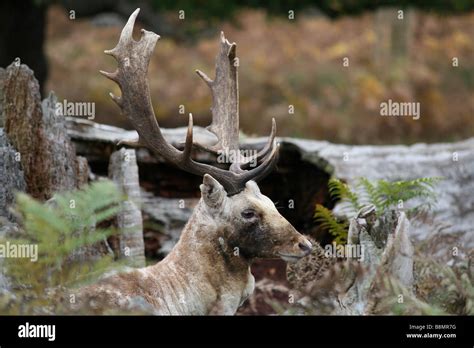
123,170
39,134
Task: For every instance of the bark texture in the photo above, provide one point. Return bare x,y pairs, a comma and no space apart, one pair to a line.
311,159
37,131
123,170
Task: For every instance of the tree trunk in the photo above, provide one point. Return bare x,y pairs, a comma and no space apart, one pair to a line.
38,132
22,34
124,171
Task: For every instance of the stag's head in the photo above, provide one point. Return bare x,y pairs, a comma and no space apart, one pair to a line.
250,222
231,196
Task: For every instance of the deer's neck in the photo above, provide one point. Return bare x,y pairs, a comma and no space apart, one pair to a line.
207,267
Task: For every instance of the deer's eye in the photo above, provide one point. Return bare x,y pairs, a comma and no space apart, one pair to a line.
249,214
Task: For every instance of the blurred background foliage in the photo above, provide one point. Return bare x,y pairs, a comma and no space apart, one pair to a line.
283,62
66,232
332,8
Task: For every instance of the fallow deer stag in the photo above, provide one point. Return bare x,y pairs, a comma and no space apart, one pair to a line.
208,271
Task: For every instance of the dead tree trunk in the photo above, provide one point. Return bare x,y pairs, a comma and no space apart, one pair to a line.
37,131
41,151
22,35
380,250
11,181
11,176
124,171
388,252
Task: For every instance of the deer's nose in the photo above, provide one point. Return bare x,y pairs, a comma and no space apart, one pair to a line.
305,246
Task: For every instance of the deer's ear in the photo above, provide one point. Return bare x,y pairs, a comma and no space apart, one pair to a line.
212,192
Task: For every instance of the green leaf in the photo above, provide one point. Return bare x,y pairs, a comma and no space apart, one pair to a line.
60,228
327,220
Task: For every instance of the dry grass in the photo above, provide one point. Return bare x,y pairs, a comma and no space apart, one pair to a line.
290,62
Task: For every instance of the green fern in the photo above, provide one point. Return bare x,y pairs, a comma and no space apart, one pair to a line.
338,229
59,228
370,193
388,195
383,194
341,191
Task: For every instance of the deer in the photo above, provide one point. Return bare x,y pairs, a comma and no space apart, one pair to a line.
233,224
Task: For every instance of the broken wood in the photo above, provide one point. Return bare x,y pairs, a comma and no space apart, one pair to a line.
454,162
123,170
378,248
37,131
11,175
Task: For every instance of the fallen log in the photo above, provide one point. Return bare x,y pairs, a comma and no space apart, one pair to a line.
316,161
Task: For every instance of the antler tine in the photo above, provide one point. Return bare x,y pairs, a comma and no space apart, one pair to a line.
133,58
246,162
265,167
188,145
205,78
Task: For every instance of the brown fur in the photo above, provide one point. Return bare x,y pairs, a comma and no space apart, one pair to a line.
208,271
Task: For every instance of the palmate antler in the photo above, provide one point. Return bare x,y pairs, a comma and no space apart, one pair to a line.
225,105
133,58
